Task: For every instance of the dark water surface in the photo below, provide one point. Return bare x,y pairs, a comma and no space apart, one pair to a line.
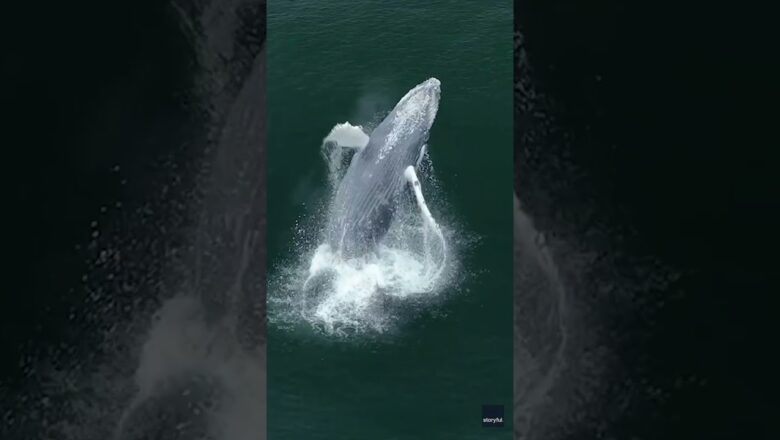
330,62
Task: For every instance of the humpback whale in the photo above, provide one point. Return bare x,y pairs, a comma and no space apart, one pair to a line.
383,164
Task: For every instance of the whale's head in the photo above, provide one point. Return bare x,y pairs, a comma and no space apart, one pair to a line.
417,109
406,128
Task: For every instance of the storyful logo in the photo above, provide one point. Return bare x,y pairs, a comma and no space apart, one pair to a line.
492,416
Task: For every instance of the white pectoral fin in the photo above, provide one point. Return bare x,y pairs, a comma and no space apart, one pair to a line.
439,263
411,177
347,135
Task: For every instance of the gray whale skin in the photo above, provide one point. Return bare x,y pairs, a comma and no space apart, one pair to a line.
367,196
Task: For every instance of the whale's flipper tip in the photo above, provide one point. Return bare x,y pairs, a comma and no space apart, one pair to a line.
411,177
347,135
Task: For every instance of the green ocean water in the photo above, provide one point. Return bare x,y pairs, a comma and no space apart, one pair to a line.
339,60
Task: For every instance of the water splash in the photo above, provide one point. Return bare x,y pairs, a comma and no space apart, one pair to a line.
345,296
